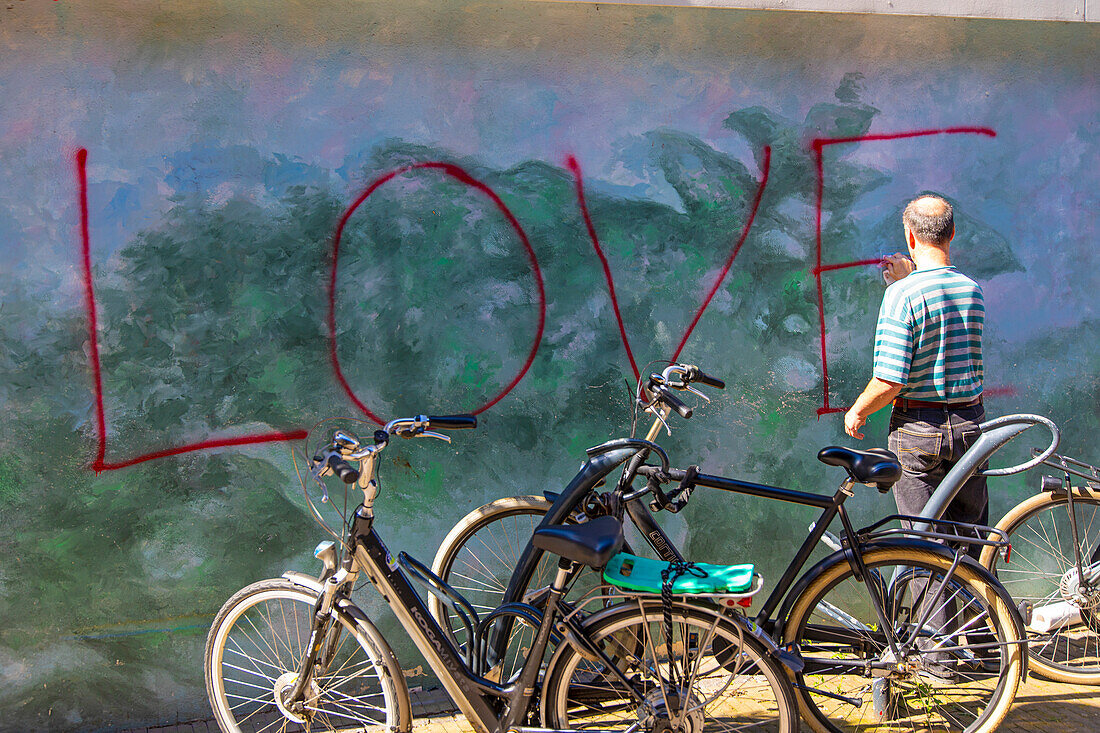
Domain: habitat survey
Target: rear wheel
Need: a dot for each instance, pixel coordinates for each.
(478, 557)
(1043, 573)
(718, 677)
(961, 673)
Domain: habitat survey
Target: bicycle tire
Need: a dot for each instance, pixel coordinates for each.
(255, 646)
(834, 625)
(736, 683)
(477, 558)
(1042, 557)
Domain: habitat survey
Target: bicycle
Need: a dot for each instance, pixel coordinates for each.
(1054, 578)
(1055, 571)
(296, 653)
(852, 614)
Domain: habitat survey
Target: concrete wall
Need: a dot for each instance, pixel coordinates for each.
(736, 166)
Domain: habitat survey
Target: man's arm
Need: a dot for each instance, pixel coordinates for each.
(877, 395)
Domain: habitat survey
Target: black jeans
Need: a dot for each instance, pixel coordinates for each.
(929, 441)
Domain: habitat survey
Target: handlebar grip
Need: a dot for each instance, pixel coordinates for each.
(665, 395)
(452, 422)
(695, 374)
(343, 469)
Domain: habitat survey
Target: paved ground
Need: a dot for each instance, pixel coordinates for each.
(1049, 707)
(1040, 706)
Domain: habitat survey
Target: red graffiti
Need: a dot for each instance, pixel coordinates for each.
(459, 174)
(573, 166)
(818, 146)
(100, 463)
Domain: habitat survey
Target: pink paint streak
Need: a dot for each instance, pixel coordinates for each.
(818, 145)
(100, 464)
(461, 175)
(574, 167)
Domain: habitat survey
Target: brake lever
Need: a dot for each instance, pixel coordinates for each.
(694, 391)
(318, 465)
(432, 434)
(656, 411)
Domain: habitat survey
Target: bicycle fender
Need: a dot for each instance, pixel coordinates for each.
(790, 660)
(348, 607)
(306, 581)
(367, 627)
(913, 543)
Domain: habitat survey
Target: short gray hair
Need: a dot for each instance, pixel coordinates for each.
(931, 220)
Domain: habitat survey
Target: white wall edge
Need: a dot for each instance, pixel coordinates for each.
(1056, 10)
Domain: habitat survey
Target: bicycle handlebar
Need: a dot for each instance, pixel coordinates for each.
(695, 374)
(664, 394)
(342, 468)
(452, 422)
(344, 446)
(659, 387)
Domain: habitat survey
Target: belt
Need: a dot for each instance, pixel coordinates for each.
(907, 404)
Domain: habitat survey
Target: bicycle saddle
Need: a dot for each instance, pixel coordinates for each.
(592, 543)
(876, 466)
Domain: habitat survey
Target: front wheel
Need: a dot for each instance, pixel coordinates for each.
(253, 653)
(717, 678)
(1043, 572)
(958, 660)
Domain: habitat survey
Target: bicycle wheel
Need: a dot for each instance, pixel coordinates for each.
(253, 652)
(1042, 571)
(480, 553)
(960, 675)
(718, 678)
(478, 557)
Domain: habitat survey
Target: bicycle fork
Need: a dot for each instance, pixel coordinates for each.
(293, 699)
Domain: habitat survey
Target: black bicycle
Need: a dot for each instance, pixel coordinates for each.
(297, 654)
(897, 629)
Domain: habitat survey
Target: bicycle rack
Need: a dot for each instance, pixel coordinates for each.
(995, 434)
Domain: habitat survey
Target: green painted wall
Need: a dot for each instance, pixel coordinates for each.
(224, 143)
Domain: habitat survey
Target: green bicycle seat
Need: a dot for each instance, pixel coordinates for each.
(642, 574)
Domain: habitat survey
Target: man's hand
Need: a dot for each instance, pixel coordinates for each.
(896, 267)
(877, 395)
(853, 421)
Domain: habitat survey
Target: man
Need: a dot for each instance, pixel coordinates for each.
(928, 363)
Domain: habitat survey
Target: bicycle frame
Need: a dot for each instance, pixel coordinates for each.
(490, 707)
(790, 584)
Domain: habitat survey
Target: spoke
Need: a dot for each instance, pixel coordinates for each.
(249, 671)
(262, 637)
(241, 653)
(243, 699)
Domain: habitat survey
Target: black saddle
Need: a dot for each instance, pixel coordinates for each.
(592, 543)
(876, 466)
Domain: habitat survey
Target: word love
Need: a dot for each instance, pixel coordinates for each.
(818, 146)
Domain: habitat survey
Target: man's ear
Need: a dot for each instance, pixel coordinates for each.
(910, 240)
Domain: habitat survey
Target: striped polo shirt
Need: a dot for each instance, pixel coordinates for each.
(929, 336)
